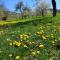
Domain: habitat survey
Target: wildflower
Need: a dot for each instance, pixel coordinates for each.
(39, 33)
(8, 39)
(32, 42)
(43, 37)
(34, 53)
(17, 43)
(25, 45)
(10, 55)
(10, 43)
(53, 42)
(21, 36)
(17, 57)
(24, 36)
(38, 52)
(41, 46)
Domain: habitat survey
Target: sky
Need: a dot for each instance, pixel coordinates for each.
(10, 4)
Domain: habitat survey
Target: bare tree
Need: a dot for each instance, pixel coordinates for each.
(53, 4)
(20, 7)
(26, 11)
(42, 8)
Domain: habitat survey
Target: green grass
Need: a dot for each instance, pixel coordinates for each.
(35, 32)
(30, 19)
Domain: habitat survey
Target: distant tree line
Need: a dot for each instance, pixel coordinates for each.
(41, 8)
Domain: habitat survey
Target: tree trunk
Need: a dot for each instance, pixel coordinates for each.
(54, 7)
(42, 12)
(21, 12)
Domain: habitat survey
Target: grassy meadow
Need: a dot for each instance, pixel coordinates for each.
(30, 39)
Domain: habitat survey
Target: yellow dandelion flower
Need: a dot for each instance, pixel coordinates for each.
(39, 33)
(34, 53)
(8, 39)
(17, 57)
(32, 42)
(41, 46)
(25, 45)
(24, 36)
(18, 43)
(21, 36)
(44, 37)
(10, 43)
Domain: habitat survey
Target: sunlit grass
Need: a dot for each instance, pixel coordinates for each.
(35, 40)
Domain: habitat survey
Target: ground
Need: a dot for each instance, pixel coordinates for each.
(31, 39)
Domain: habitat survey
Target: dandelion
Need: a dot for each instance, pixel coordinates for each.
(34, 53)
(32, 42)
(39, 33)
(10, 43)
(17, 57)
(24, 36)
(25, 45)
(21, 36)
(44, 37)
(41, 46)
(17, 43)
